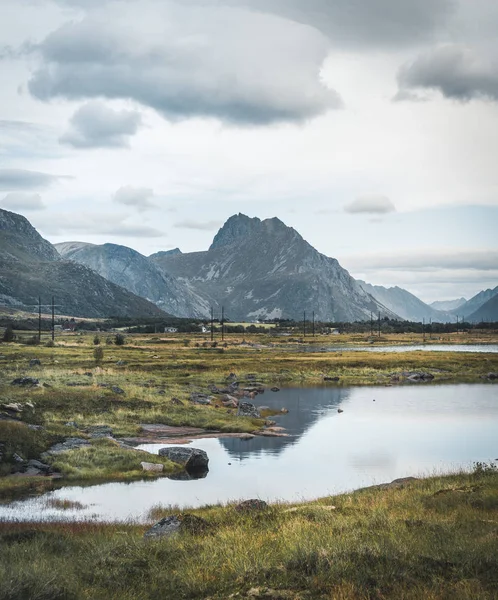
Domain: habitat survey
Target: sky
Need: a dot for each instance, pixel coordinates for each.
(370, 126)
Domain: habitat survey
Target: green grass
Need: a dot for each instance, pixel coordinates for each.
(434, 539)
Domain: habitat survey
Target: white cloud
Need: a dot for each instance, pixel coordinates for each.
(140, 198)
(96, 125)
(198, 225)
(371, 205)
(22, 201)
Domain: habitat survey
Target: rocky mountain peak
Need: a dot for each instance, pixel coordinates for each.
(241, 226)
(24, 239)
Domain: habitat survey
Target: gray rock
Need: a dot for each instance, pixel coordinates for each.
(25, 381)
(69, 444)
(200, 399)
(174, 525)
(117, 390)
(190, 458)
(35, 362)
(327, 378)
(152, 467)
(246, 409)
(251, 505)
(18, 459)
(275, 389)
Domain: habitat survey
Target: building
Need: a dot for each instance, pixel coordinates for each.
(170, 330)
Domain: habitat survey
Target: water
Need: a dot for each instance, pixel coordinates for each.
(481, 348)
(408, 431)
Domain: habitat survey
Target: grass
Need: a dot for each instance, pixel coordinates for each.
(432, 539)
(75, 388)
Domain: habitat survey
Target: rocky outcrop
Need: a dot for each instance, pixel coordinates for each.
(192, 459)
(176, 524)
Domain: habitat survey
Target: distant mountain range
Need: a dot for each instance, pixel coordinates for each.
(31, 267)
(255, 269)
(447, 305)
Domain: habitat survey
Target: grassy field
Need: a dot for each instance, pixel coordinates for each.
(134, 384)
(432, 539)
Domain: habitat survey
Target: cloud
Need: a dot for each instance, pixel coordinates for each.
(455, 70)
(137, 197)
(21, 179)
(232, 64)
(482, 260)
(22, 201)
(380, 205)
(85, 223)
(198, 225)
(95, 125)
(379, 23)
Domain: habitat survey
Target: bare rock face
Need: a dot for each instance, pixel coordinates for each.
(192, 459)
(264, 270)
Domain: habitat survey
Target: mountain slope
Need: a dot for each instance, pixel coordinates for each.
(31, 267)
(264, 269)
(405, 304)
(488, 312)
(136, 273)
(475, 303)
(447, 305)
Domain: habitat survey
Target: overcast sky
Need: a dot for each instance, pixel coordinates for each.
(370, 126)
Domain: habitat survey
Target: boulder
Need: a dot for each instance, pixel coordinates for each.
(35, 362)
(246, 409)
(152, 467)
(176, 524)
(328, 378)
(25, 381)
(251, 505)
(202, 399)
(492, 376)
(14, 407)
(69, 444)
(275, 389)
(191, 459)
(117, 390)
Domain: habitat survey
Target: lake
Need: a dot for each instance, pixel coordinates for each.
(483, 348)
(384, 433)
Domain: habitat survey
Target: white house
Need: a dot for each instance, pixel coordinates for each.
(170, 330)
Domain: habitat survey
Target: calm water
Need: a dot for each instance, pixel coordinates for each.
(485, 348)
(409, 430)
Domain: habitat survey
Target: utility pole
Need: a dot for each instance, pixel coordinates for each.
(212, 324)
(222, 323)
(313, 323)
(53, 318)
(379, 323)
(304, 324)
(371, 324)
(423, 328)
(39, 319)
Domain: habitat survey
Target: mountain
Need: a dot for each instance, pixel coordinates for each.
(264, 270)
(405, 304)
(447, 305)
(488, 312)
(31, 267)
(475, 303)
(131, 270)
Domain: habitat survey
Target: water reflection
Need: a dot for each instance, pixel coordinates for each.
(408, 430)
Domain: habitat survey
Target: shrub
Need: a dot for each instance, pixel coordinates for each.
(119, 339)
(50, 344)
(8, 334)
(98, 354)
(109, 340)
(96, 340)
(32, 341)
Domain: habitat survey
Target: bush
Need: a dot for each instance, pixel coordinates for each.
(98, 354)
(96, 340)
(32, 341)
(8, 334)
(119, 339)
(50, 344)
(109, 340)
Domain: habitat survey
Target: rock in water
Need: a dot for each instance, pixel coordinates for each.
(152, 467)
(246, 409)
(192, 459)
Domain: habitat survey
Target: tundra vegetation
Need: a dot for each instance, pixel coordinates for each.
(435, 538)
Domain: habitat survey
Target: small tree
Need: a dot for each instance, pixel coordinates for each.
(119, 339)
(8, 334)
(96, 340)
(98, 354)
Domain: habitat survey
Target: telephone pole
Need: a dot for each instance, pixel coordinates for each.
(379, 324)
(304, 324)
(39, 319)
(371, 324)
(212, 323)
(313, 323)
(53, 318)
(222, 323)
